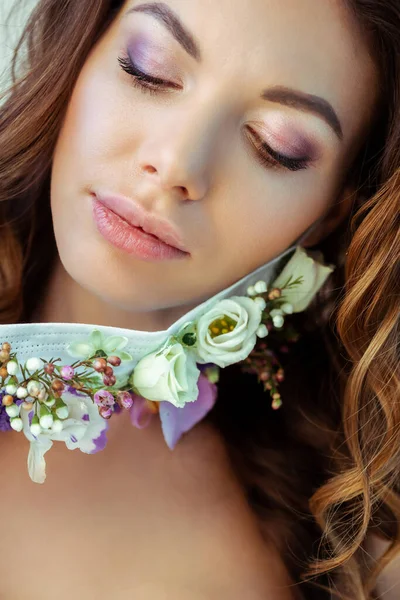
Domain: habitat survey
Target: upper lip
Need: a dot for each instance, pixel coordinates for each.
(132, 212)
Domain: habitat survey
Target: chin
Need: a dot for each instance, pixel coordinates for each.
(122, 284)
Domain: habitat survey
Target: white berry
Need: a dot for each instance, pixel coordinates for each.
(22, 392)
(278, 321)
(260, 287)
(287, 308)
(17, 424)
(262, 331)
(33, 364)
(12, 367)
(35, 429)
(260, 302)
(46, 421)
(12, 410)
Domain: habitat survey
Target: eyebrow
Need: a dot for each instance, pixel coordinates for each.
(307, 102)
(279, 94)
(172, 22)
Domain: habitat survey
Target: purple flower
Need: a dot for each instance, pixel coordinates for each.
(125, 399)
(104, 398)
(177, 421)
(67, 372)
(141, 413)
(100, 442)
(71, 390)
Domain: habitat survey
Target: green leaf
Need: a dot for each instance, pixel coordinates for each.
(96, 338)
(80, 349)
(115, 342)
(125, 355)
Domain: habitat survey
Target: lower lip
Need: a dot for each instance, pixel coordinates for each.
(131, 239)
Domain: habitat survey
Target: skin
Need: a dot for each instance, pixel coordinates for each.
(170, 153)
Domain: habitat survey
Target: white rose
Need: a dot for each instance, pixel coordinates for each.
(313, 272)
(168, 375)
(227, 333)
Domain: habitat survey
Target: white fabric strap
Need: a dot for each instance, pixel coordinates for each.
(49, 340)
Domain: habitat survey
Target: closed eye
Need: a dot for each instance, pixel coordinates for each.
(144, 80)
(266, 155)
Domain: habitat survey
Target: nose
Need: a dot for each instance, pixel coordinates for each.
(179, 154)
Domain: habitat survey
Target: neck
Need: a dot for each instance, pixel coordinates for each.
(65, 301)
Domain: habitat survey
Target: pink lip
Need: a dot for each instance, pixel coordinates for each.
(119, 221)
(134, 214)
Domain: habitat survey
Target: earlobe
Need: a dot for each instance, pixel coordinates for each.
(340, 209)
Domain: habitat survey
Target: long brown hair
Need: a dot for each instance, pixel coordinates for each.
(324, 470)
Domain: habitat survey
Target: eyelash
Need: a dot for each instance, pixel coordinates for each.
(154, 85)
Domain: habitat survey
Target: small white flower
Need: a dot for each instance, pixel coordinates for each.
(22, 393)
(12, 410)
(112, 345)
(35, 427)
(12, 367)
(309, 266)
(262, 331)
(33, 364)
(251, 290)
(278, 321)
(277, 317)
(16, 424)
(287, 308)
(46, 421)
(226, 334)
(62, 410)
(260, 287)
(34, 388)
(168, 375)
(260, 302)
(11, 389)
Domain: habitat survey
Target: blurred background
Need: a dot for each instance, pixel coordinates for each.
(10, 32)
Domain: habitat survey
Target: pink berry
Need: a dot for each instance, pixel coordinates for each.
(104, 398)
(67, 372)
(109, 380)
(57, 385)
(49, 368)
(125, 400)
(106, 412)
(115, 361)
(108, 371)
(99, 364)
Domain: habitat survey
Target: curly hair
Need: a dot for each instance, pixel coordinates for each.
(323, 473)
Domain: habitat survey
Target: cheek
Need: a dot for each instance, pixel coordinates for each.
(265, 218)
(91, 125)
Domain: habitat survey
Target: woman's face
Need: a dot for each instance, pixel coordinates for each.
(243, 147)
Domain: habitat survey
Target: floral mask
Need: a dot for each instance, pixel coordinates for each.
(64, 381)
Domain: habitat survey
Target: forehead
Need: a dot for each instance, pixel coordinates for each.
(314, 46)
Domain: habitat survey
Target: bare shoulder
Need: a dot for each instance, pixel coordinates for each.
(239, 563)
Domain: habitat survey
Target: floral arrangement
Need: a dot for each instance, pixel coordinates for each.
(72, 403)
